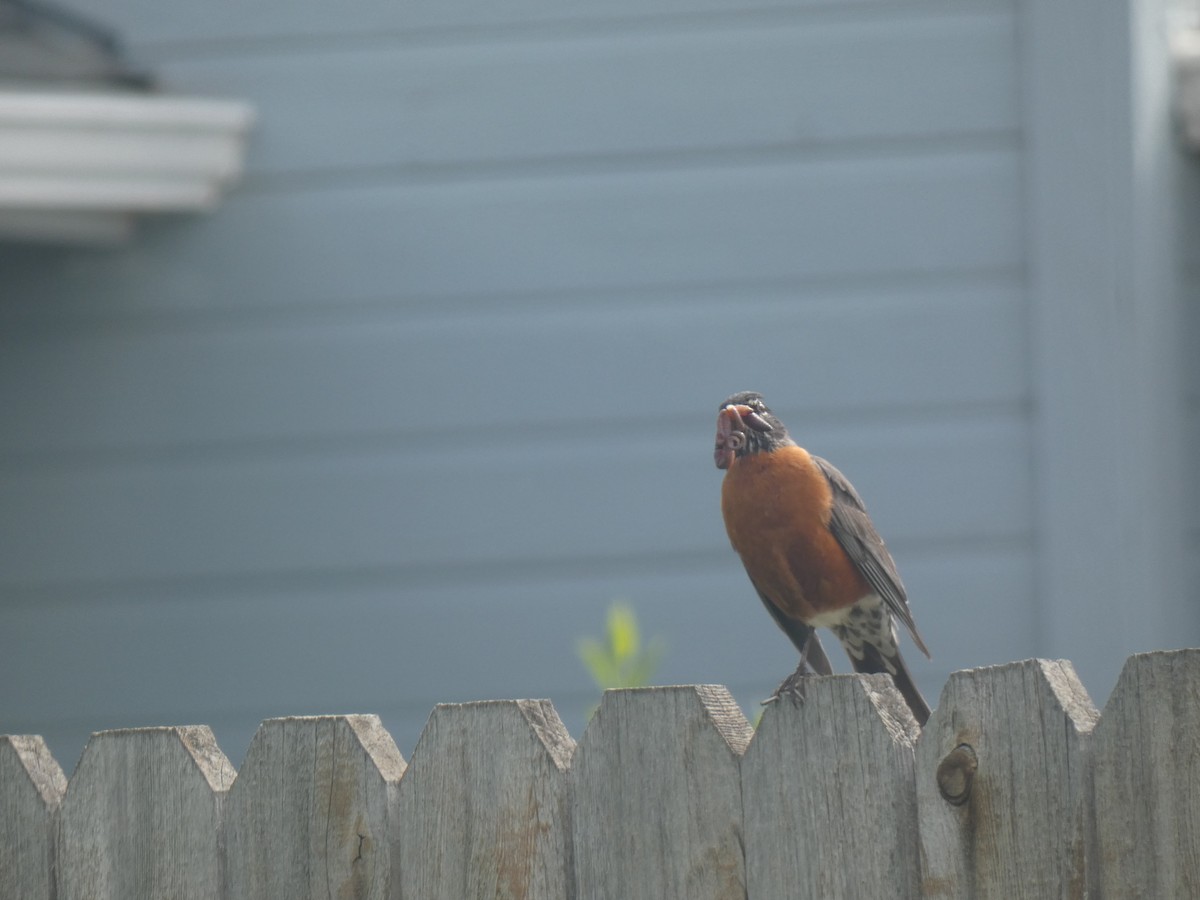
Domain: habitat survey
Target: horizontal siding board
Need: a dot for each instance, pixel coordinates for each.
(641, 93)
(466, 501)
(399, 372)
(396, 650)
(220, 22)
(838, 218)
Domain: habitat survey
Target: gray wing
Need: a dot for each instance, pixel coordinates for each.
(852, 528)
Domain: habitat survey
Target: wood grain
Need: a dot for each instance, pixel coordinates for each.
(141, 816)
(1147, 789)
(828, 787)
(484, 808)
(31, 789)
(311, 812)
(1023, 829)
(657, 802)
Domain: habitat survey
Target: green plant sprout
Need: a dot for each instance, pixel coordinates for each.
(618, 660)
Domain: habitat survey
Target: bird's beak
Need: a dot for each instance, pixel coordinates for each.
(732, 423)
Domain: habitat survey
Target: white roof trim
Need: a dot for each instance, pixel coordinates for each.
(79, 166)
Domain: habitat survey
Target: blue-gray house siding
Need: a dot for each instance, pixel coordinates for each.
(438, 381)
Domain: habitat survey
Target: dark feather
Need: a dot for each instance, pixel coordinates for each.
(801, 635)
(852, 528)
(873, 663)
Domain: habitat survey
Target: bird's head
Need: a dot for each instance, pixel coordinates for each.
(745, 425)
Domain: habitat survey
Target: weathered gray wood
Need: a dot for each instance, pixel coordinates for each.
(1147, 789)
(1014, 795)
(484, 806)
(31, 788)
(829, 794)
(657, 796)
(1017, 824)
(310, 813)
(141, 816)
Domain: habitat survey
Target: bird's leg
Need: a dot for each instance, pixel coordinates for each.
(794, 685)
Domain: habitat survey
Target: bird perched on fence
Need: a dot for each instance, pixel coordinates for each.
(810, 549)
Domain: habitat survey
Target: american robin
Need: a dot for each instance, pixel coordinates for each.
(810, 549)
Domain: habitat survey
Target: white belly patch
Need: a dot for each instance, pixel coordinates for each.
(868, 621)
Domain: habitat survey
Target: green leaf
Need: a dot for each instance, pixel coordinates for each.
(622, 632)
(598, 661)
(618, 660)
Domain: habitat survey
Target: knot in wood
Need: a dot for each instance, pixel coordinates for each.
(955, 774)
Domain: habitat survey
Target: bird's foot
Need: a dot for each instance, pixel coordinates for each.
(794, 686)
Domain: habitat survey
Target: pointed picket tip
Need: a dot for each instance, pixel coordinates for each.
(197, 741)
(1054, 679)
(973, 698)
(539, 716)
(657, 796)
(366, 729)
(824, 777)
(141, 816)
(484, 807)
(1160, 675)
(1145, 780)
(310, 813)
(832, 700)
(377, 742)
(1002, 790)
(712, 702)
(31, 788)
(28, 754)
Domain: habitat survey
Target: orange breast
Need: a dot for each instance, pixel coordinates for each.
(777, 509)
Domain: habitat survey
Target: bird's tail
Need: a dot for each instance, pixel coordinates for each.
(873, 662)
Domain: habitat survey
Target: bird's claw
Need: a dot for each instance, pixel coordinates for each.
(794, 686)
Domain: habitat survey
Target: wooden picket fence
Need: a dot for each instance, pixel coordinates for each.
(1017, 788)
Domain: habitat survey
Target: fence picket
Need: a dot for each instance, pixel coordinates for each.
(658, 805)
(1007, 745)
(828, 789)
(31, 788)
(141, 816)
(484, 806)
(1147, 779)
(309, 815)
(1017, 788)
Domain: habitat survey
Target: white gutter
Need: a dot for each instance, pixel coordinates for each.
(81, 166)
